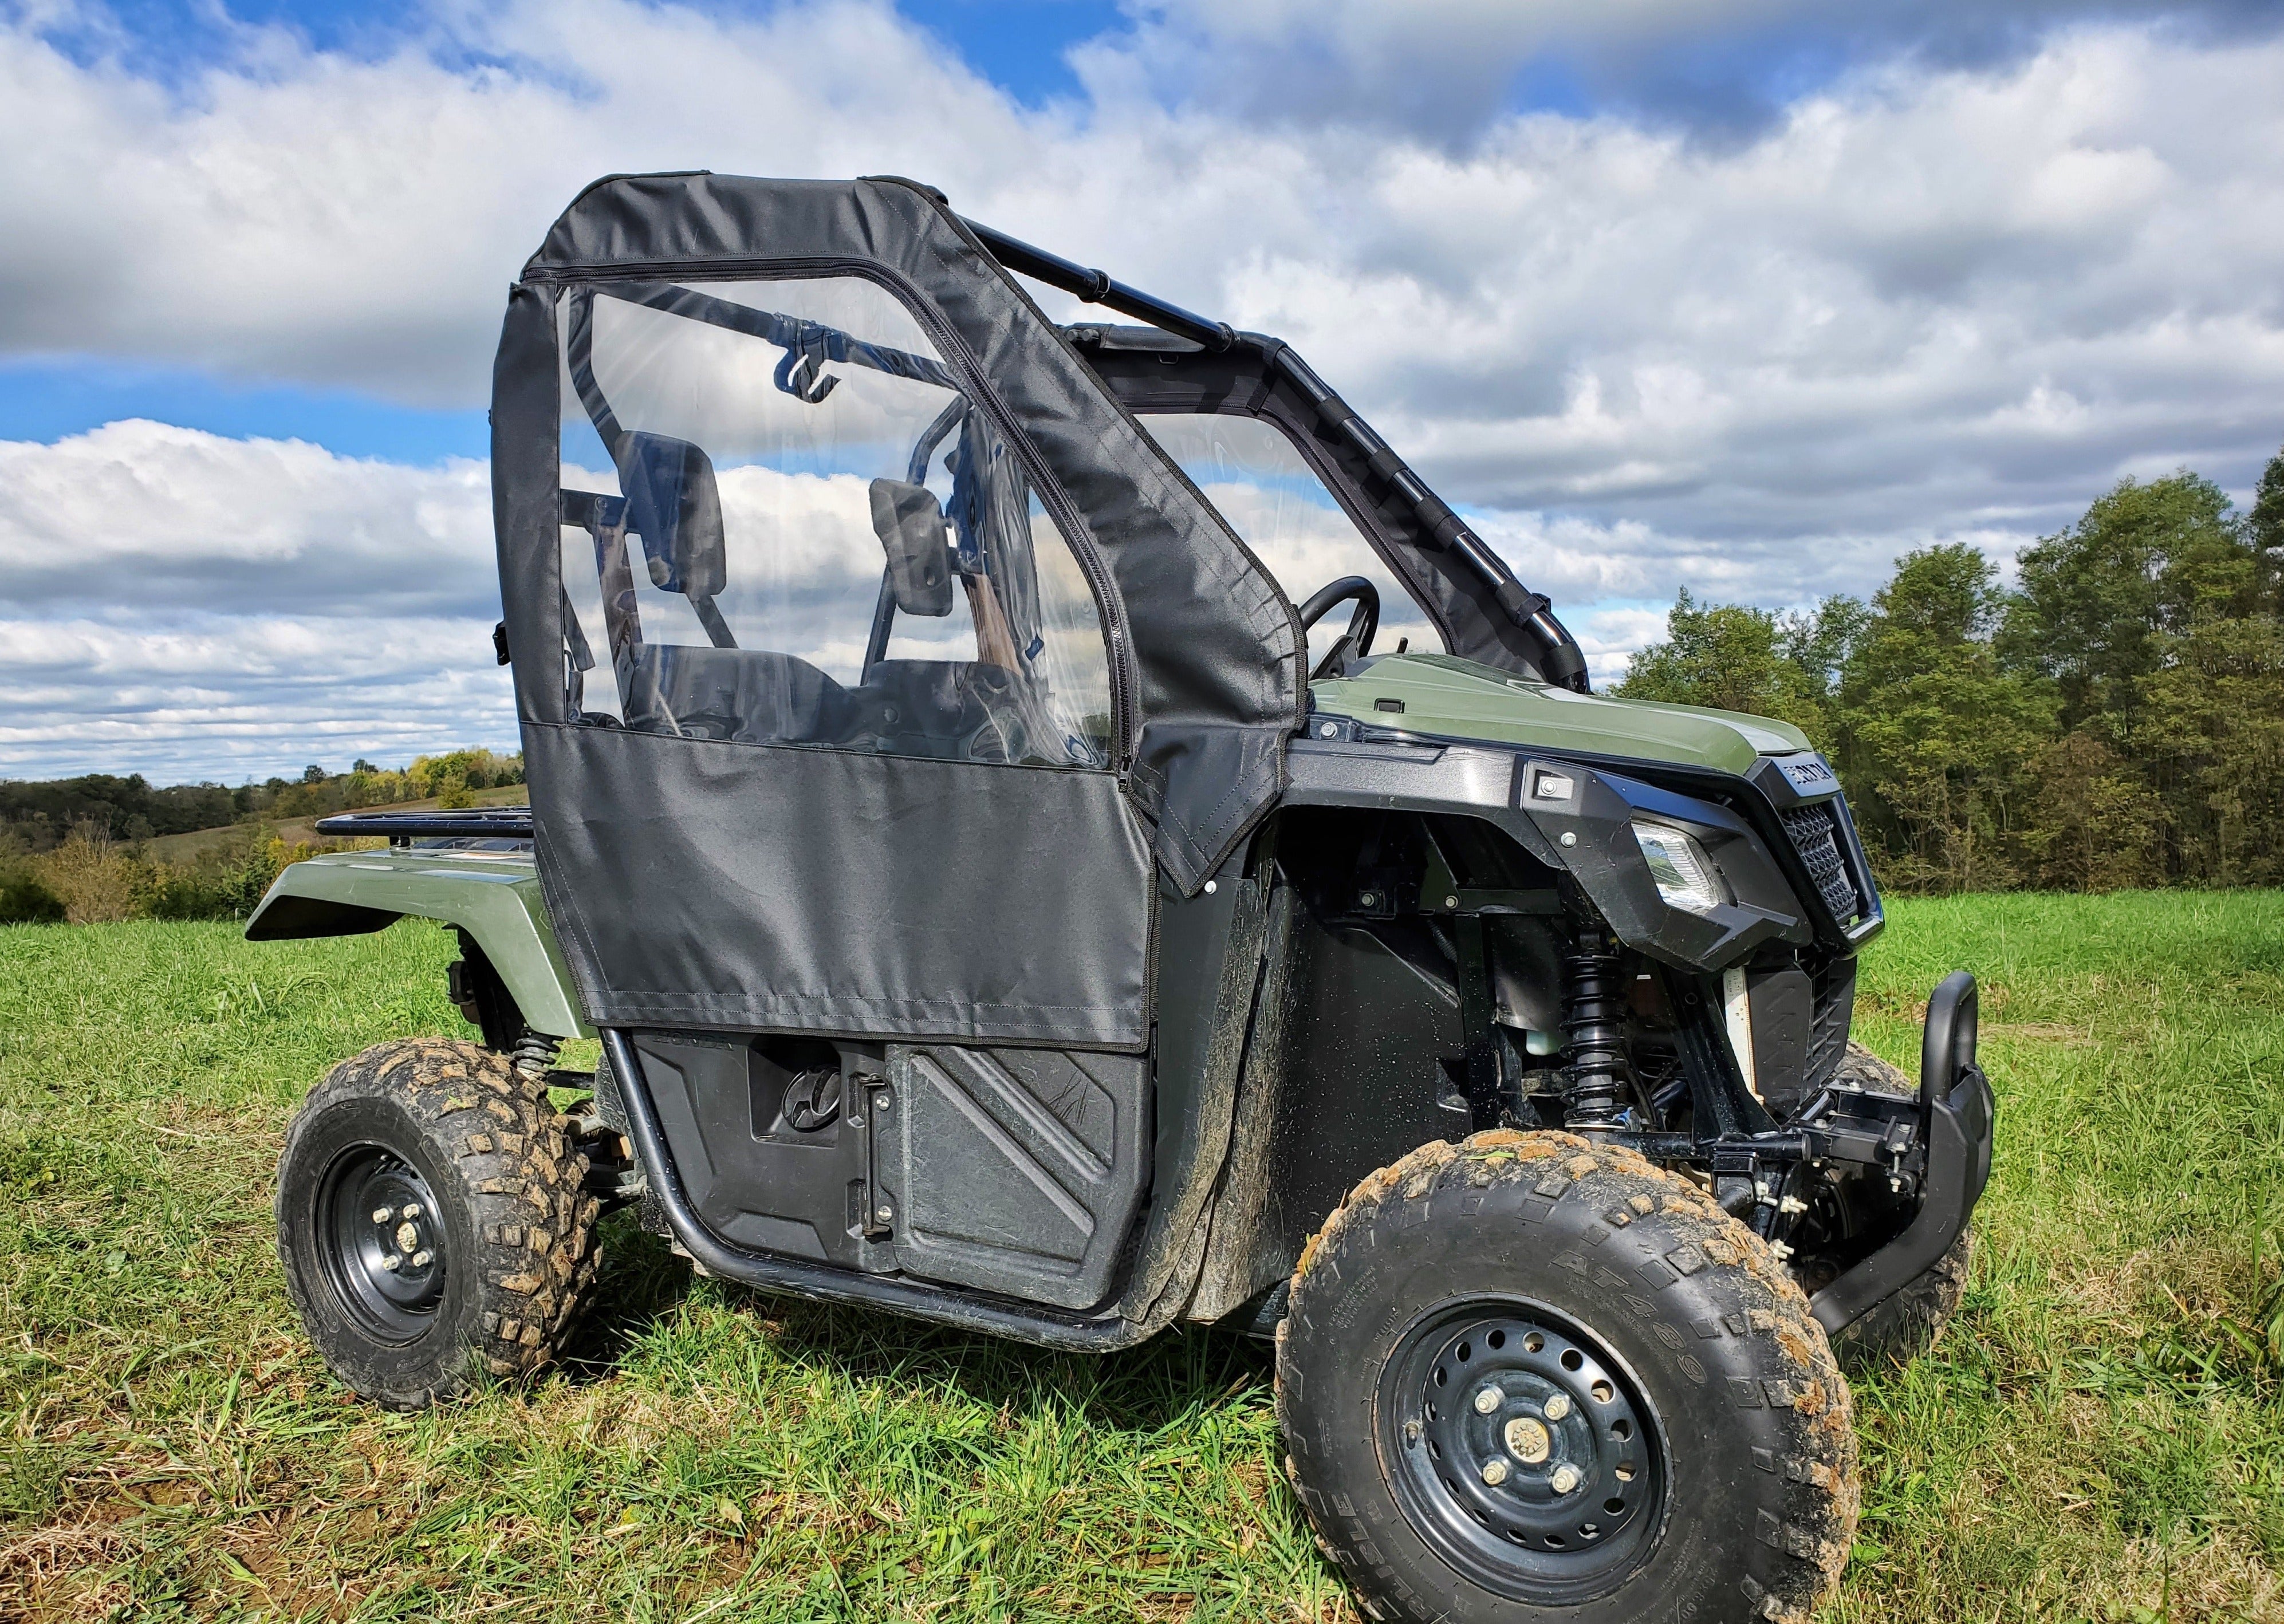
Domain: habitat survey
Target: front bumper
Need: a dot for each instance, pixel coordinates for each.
(1957, 1111)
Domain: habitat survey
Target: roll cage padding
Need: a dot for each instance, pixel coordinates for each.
(1204, 649)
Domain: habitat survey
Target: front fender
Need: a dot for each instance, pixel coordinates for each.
(495, 899)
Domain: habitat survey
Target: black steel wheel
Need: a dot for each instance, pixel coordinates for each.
(382, 1242)
(1522, 1448)
(1532, 1378)
(432, 1221)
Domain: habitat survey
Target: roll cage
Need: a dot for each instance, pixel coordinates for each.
(1184, 362)
(1180, 364)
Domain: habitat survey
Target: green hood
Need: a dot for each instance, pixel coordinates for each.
(1458, 698)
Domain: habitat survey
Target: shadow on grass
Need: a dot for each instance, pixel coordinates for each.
(1173, 1376)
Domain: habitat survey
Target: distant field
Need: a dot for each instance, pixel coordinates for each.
(2099, 1438)
(184, 849)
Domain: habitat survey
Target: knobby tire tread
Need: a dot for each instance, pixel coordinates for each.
(1801, 1554)
(523, 1177)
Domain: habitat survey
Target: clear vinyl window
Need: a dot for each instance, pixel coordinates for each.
(1250, 472)
(783, 522)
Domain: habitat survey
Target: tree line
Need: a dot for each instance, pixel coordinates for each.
(80, 849)
(40, 815)
(2114, 718)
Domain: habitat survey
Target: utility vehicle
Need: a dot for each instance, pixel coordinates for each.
(999, 904)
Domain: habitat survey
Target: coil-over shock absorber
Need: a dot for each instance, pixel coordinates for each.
(1593, 992)
(533, 1053)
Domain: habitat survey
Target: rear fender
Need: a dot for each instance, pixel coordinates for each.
(496, 902)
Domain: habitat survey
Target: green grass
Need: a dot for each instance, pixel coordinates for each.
(2099, 1437)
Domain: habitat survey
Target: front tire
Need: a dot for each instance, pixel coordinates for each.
(1531, 1377)
(433, 1222)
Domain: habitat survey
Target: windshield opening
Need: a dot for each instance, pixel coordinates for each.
(1270, 496)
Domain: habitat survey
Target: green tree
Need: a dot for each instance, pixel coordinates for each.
(2097, 600)
(1937, 739)
(2095, 824)
(2266, 519)
(1821, 641)
(1728, 657)
(2212, 735)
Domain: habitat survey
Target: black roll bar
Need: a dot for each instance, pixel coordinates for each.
(1099, 287)
(1560, 655)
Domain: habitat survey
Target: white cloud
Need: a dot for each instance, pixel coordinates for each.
(1919, 305)
(140, 513)
(203, 696)
(189, 606)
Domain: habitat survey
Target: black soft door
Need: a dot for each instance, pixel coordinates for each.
(835, 754)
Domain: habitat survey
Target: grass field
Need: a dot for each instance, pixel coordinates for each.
(2100, 1436)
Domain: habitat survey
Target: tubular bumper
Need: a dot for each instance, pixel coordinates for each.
(1957, 1111)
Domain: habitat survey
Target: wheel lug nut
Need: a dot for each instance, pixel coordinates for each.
(381, 1214)
(1489, 1399)
(1494, 1471)
(392, 1262)
(1557, 1407)
(412, 1210)
(1565, 1479)
(420, 1260)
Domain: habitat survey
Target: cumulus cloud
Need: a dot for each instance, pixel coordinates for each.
(1949, 296)
(202, 696)
(191, 605)
(144, 515)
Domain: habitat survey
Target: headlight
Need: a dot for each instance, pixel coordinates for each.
(1685, 876)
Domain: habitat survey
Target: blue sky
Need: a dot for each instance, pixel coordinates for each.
(1748, 295)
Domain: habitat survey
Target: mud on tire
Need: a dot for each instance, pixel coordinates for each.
(1742, 1480)
(441, 1157)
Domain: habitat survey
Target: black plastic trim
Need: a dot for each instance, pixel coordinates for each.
(484, 823)
(1957, 1109)
(822, 1282)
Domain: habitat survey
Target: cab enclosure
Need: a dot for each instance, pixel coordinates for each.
(990, 909)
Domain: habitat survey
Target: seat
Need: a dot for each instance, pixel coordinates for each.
(949, 709)
(753, 696)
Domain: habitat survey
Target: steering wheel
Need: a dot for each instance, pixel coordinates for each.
(1354, 644)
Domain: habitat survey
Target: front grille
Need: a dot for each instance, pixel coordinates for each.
(1816, 839)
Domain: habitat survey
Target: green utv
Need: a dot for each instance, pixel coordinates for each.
(999, 904)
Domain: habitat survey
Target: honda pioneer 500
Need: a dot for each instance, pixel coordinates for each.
(999, 904)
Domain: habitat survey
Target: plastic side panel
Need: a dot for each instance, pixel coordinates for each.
(1346, 1074)
(760, 1186)
(500, 906)
(700, 883)
(1017, 1170)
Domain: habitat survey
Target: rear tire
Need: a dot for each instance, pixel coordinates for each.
(1906, 1324)
(1700, 1464)
(432, 1221)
